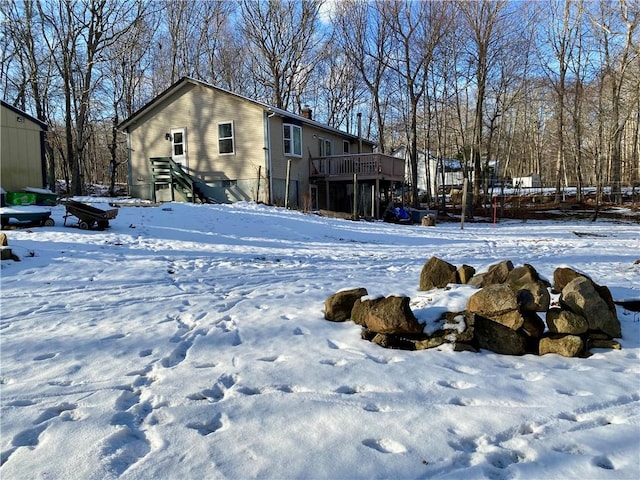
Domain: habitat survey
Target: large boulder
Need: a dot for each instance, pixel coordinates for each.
(565, 345)
(580, 296)
(497, 273)
(532, 291)
(466, 273)
(390, 314)
(497, 338)
(565, 321)
(498, 303)
(337, 307)
(563, 275)
(437, 273)
(533, 325)
(533, 297)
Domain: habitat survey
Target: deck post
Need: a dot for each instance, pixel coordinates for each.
(355, 196)
(286, 187)
(377, 199)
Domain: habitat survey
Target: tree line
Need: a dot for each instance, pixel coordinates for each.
(549, 87)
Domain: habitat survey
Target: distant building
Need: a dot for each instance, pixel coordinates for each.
(530, 181)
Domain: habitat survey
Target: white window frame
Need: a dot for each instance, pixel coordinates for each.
(323, 143)
(181, 159)
(232, 138)
(289, 134)
(346, 147)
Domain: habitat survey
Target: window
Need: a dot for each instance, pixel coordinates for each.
(325, 147)
(346, 146)
(292, 135)
(225, 138)
(179, 146)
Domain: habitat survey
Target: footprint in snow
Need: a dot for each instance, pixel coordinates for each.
(384, 445)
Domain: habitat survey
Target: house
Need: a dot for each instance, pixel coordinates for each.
(531, 181)
(198, 142)
(23, 163)
(431, 178)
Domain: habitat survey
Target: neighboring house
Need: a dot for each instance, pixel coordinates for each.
(453, 174)
(530, 181)
(22, 153)
(200, 142)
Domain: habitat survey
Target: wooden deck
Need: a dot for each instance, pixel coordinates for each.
(367, 166)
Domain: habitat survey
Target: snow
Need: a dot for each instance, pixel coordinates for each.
(188, 341)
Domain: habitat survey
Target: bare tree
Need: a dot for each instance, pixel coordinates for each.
(283, 38)
(616, 25)
(483, 19)
(365, 37)
(34, 79)
(418, 29)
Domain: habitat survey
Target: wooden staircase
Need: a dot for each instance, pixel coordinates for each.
(166, 171)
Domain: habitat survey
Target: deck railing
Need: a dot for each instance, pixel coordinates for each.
(365, 164)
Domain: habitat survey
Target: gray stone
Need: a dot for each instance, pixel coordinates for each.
(565, 345)
(437, 273)
(390, 314)
(581, 297)
(337, 307)
(499, 303)
(565, 321)
(497, 338)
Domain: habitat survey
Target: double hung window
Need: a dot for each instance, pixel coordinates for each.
(225, 138)
(292, 135)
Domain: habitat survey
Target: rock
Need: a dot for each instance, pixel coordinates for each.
(533, 297)
(391, 314)
(497, 338)
(477, 280)
(563, 275)
(7, 254)
(498, 303)
(429, 220)
(523, 275)
(458, 327)
(3, 240)
(581, 297)
(386, 340)
(437, 273)
(337, 307)
(465, 273)
(565, 345)
(497, 273)
(612, 344)
(565, 321)
(532, 291)
(533, 325)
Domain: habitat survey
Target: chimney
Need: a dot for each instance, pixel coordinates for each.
(306, 112)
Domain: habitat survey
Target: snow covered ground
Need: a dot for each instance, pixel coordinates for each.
(188, 341)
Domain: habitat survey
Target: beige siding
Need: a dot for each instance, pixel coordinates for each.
(199, 110)
(20, 154)
(310, 149)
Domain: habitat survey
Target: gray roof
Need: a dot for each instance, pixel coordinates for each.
(188, 80)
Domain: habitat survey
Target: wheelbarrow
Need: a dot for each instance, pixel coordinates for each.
(88, 215)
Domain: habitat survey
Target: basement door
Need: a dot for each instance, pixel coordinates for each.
(179, 146)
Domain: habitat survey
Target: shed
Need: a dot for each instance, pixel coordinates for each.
(22, 153)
